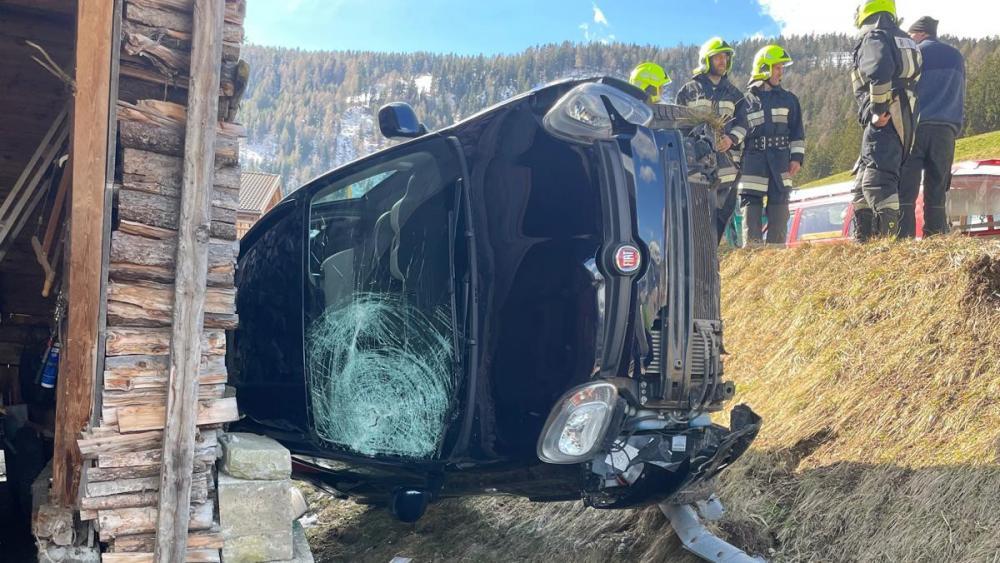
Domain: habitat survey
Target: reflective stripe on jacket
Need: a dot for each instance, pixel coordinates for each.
(770, 117)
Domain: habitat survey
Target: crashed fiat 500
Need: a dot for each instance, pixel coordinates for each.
(524, 303)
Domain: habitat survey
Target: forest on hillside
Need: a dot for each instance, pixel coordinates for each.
(307, 112)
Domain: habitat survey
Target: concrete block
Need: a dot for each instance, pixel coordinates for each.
(249, 456)
(54, 523)
(248, 508)
(49, 553)
(257, 548)
(302, 553)
(299, 504)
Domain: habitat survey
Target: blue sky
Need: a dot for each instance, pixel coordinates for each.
(497, 26)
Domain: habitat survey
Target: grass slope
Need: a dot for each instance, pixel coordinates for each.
(877, 371)
(977, 147)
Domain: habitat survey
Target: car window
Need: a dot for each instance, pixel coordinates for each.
(822, 221)
(379, 336)
(974, 202)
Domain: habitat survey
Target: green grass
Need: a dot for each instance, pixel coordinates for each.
(986, 145)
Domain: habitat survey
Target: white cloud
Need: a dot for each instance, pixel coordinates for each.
(599, 16)
(594, 32)
(964, 18)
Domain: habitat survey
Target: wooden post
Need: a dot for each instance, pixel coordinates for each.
(194, 229)
(94, 23)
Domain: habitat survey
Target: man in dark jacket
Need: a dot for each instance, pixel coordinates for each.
(711, 91)
(774, 147)
(941, 91)
(886, 68)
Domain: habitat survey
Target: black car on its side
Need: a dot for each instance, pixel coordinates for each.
(524, 303)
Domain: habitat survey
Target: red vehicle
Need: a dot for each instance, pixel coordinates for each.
(824, 215)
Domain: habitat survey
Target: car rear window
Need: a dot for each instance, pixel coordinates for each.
(822, 221)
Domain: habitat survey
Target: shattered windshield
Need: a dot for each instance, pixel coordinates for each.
(380, 331)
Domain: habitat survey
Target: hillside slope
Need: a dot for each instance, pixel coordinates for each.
(877, 371)
(976, 147)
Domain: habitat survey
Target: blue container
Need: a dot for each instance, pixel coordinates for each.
(51, 369)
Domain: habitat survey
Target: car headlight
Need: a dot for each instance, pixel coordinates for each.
(578, 424)
(581, 116)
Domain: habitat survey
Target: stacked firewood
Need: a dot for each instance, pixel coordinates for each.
(119, 488)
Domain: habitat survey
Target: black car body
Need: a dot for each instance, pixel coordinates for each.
(525, 303)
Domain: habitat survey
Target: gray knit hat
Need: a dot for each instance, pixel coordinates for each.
(926, 25)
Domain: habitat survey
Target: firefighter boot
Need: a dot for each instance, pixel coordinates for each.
(753, 211)
(864, 224)
(888, 223)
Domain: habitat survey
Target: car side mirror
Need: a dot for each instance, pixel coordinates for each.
(398, 120)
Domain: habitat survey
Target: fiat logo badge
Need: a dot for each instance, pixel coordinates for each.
(628, 259)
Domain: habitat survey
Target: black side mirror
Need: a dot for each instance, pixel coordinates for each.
(398, 120)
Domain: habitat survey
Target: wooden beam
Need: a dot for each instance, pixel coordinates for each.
(89, 141)
(194, 226)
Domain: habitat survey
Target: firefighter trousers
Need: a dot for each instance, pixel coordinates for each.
(753, 210)
(726, 198)
(933, 154)
(876, 189)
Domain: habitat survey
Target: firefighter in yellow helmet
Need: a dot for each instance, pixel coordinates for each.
(651, 79)
(884, 75)
(710, 90)
(774, 147)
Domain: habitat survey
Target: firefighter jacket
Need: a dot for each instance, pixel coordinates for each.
(886, 67)
(775, 136)
(721, 99)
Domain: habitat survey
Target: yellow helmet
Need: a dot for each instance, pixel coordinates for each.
(709, 49)
(765, 59)
(871, 7)
(650, 78)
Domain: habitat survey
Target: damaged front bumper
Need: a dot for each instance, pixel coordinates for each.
(637, 457)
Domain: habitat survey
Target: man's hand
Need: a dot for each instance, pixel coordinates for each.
(794, 167)
(882, 120)
(725, 143)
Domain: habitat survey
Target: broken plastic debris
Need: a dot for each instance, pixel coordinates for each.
(381, 377)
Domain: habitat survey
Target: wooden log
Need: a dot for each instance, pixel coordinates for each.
(156, 342)
(209, 539)
(126, 373)
(192, 556)
(158, 127)
(161, 211)
(204, 454)
(146, 231)
(122, 486)
(90, 447)
(90, 149)
(171, 15)
(123, 521)
(145, 418)
(87, 515)
(101, 474)
(143, 251)
(135, 257)
(199, 481)
(150, 304)
(155, 396)
(167, 61)
(127, 500)
(163, 172)
(115, 400)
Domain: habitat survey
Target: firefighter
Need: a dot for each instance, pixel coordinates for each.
(773, 149)
(651, 79)
(710, 90)
(885, 72)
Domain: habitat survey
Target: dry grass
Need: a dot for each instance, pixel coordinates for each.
(877, 371)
